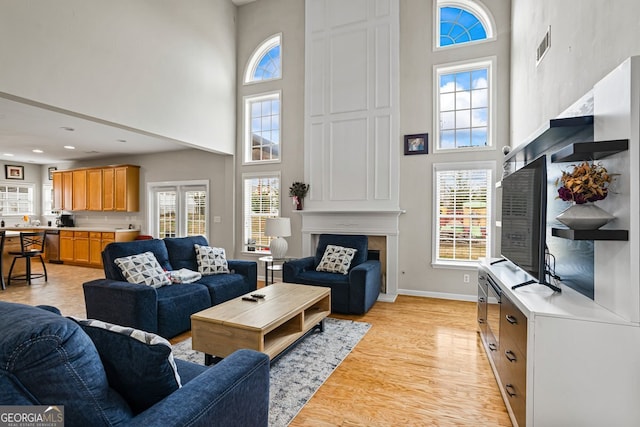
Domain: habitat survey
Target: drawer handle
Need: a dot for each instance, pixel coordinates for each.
(510, 389)
(480, 320)
(492, 347)
(511, 356)
(511, 319)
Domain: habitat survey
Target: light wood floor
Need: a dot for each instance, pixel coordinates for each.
(420, 364)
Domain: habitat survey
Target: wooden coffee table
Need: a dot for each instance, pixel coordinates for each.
(270, 325)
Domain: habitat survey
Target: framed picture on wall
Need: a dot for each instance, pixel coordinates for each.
(416, 144)
(51, 169)
(14, 172)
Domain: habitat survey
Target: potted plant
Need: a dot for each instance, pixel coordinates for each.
(585, 184)
(297, 192)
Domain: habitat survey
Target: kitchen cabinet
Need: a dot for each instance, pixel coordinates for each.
(79, 190)
(109, 188)
(94, 189)
(85, 247)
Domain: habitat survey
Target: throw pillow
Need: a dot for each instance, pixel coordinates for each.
(336, 259)
(143, 269)
(139, 364)
(211, 260)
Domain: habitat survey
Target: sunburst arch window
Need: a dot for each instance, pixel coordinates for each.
(461, 22)
(265, 62)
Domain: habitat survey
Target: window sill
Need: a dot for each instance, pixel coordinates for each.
(456, 265)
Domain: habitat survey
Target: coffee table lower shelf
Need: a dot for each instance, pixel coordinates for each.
(271, 325)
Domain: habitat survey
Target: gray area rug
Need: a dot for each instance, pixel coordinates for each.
(297, 375)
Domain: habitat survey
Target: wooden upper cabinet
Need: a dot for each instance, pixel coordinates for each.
(127, 188)
(58, 191)
(94, 189)
(108, 189)
(67, 190)
(79, 190)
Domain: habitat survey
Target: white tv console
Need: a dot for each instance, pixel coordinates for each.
(566, 362)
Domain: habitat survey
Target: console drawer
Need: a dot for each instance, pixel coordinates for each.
(513, 324)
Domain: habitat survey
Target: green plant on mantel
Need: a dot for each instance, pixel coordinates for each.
(298, 189)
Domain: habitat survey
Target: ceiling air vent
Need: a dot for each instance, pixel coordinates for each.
(544, 46)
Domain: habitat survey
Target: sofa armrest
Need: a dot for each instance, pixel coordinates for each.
(292, 269)
(248, 269)
(364, 286)
(234, 392)
(122, 303)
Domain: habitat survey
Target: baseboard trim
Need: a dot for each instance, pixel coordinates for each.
(441, 295)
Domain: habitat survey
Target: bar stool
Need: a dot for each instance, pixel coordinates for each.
(2, 233)
(31, 245)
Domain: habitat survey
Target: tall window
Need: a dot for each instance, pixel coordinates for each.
(262, 128)
(47, 200)
(462, 21)
(178, 209)
(261, 199)
(17, 199)
(462, 212)
(265, 63)
(464, 105)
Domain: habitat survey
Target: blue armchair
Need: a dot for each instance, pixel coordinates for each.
(47, 359)
(353, 293)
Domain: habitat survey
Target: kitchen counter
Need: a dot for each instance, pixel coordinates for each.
(103, 229)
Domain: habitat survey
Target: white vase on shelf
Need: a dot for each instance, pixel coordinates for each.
(585, 216)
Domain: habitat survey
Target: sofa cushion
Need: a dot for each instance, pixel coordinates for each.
(223, 287)
(124, 249)
(139, 364)
(176, 304)
(182, 251)
(46, 359)
(336, 259)
(211, 260)
(143, 269)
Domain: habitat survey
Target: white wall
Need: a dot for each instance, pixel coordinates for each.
(589, 38)
(256, 22)
(161, 66)
(417, 58)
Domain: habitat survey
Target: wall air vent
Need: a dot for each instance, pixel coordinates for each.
(544, 46)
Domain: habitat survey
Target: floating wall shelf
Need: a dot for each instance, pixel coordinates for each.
(566, 233)
(581, 151)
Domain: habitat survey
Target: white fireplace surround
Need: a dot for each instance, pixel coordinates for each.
(370, 223)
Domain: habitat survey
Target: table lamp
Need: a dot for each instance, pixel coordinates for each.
(278, 228)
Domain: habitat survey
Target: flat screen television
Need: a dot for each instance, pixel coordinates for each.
(524, 219)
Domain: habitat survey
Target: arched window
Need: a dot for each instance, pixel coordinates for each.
(266, 61)
(462, 21)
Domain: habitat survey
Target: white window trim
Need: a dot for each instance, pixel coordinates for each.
(439, 167)
(252, 175)
(454, 67)
(30, 186)
(476, 8)
(257, 55)
(246, 100)
(151, 201)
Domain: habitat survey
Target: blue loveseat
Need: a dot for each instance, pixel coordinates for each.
(167, 310)
(47, 359)
(352, 293)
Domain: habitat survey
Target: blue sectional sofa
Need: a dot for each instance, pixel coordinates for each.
(47, 359)
(352, 293)
(167, 310)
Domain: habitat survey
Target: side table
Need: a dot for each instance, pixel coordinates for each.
(272, 264)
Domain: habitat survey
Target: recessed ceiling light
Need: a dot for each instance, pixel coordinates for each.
(38, 151)
(69, 147)
(8, 154)
(67, 128)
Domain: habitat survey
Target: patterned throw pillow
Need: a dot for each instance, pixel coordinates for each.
(336, 259)
(139, 365)
(143, 269)
(211, 260)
